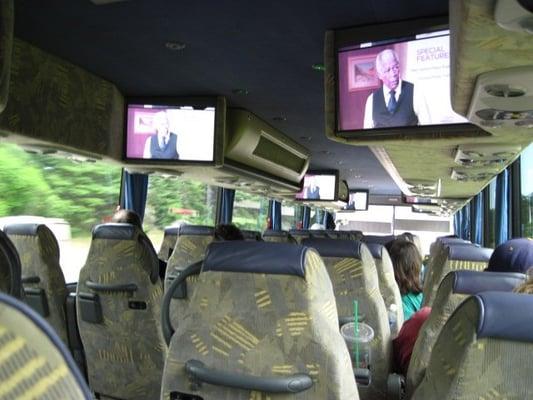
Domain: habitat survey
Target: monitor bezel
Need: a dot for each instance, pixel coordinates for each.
(334, 172)
(392, 32)
(218, 102)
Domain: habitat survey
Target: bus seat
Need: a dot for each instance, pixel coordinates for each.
(41, 275)
(387, 283)
(484, 351)
(300, 234)
(10, 282)
(169, 242)
(378, 239)
(191, 246)
(354, 277)
(265, 310)
(32, 351)
(278, 236)
(118, 306)
(454, 288)
(455, 257)
(251, 235)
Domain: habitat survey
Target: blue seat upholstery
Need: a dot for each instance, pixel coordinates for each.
(10, 275)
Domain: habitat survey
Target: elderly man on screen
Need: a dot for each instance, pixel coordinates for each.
(164, 144)
(396, 103)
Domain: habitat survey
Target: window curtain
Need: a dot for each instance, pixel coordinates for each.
(134, 192)
(461, 222)
(477, 219)
(226, 206)
(275, 215)
(306, 217)
(502, 207)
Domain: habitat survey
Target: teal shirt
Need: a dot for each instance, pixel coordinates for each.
(411, 303)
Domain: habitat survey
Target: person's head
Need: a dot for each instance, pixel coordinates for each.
(128, 217)
(526, 287)
(407, 262)
(228, 232)
(161, 124)
(515, 255)
(388, 68)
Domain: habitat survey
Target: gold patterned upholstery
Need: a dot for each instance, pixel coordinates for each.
(244, 318)
(169, 242)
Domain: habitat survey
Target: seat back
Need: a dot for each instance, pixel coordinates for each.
(169, 242)
(9, 268)
(299, 234)
(454, 288)
(454, 257)
(261, 309)
(42, 278)
(35, 363)
(278, 236)
(484, 351)
(387, 283)
(354, 277)
(119, 314)
(378, 239)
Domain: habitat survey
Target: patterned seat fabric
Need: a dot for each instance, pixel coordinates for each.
(483, 351)
(353, 273)
(454, 257)
(169, 242)
(455, 287)
(190, 248)
(42, 278)
(387, 283)
(263, 309)
(251, 235)
(278, 236)
(34, 362)
(9, 268)
(119, 313)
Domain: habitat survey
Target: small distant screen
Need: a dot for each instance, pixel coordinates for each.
(419, 200)
(318, 187)
(156, 132)
(358, 200)
(393, 84)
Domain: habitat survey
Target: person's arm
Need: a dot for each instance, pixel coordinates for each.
(368, 121)
(147, 153)
(421, 107)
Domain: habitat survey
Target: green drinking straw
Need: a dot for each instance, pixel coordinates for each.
(356, 332)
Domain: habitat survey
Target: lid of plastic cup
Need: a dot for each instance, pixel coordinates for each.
(366, 333)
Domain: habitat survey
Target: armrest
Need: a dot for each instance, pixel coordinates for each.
(287, 384)
(119, 287)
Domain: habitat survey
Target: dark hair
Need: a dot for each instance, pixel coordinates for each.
(515, 255)
(228, 232)
(407, 262)
(128, 217)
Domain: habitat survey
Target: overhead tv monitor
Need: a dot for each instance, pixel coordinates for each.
(391, 81)
(175, 131)
(418, 200)
(319, 186)
(358, 200)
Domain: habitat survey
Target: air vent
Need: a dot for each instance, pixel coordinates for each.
(423, 188)
(472, 175)
(504, 91)
(495, 156)
(514, 15)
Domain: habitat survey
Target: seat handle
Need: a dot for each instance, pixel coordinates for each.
(30, 279)
(296, 383)
(118, 287)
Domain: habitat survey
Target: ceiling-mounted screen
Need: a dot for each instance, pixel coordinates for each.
(181, 130)
(391, 78)
(358, 200)
(319, 185)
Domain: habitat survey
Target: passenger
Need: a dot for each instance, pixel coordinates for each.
(228, 232)
(515, 255)
(405, 341)
(164, 144)
(407, 262)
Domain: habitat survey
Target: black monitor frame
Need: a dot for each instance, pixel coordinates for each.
(217, 102)
(322, 172)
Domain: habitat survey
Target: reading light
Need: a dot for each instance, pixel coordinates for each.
(175, 46)
(279, 118)
(243, 92)
(318, 67)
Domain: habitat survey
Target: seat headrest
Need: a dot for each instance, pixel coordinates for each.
(473, 282)
(378, 239)
(9, 259)
(196, 230)
(376, 249)
(251, 235)
(255, 257)
(505, 315)
(115, 231)
(449, 240)
(28, 229)
(469, 253)
(335, 247)
(172, 230)
(272, 233)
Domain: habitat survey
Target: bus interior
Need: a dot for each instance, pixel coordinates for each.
(275, 117)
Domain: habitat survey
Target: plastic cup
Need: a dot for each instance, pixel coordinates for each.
(361, 345)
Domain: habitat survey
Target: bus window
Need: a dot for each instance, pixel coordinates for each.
(250, 211)
(69, 196)
(490, 241)
(291, 216)
(172, 200)
(526, 188)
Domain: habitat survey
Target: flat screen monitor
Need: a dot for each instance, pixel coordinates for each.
(174, 131)
(418, 200)
(390, 79)
(358, 200)
(320, 186)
